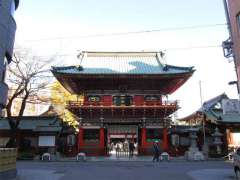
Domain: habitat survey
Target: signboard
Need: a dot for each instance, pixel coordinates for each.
(122, 136)
(231, 106)
(48, 141)
(124, 129)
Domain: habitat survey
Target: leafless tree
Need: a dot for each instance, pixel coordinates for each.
(27, 76)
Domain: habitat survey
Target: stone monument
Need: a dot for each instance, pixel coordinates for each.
(217, 141)
(193, 153)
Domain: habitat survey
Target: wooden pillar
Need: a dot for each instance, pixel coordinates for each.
(165, 139)
(144, 137)
(80, 138)
(101, 140)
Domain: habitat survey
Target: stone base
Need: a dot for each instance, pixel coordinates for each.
(7, 175)
(194, 156)
(164, 156)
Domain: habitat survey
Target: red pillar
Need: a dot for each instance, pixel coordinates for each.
(144, 137)
(80, 138)
(165, 139)
(101, 144)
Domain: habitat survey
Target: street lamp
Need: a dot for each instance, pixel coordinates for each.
(235, 82)
(232, 82)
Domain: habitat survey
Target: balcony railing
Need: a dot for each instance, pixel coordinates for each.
(78, 104)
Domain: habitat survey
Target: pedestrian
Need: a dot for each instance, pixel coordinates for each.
(117, 149)
(131, 149)
(125, 147)
(156, 152)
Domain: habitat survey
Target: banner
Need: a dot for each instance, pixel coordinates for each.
(231, 106)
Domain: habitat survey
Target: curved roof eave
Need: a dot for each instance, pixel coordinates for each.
(58, 70)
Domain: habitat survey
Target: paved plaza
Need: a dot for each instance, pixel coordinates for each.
(130, 170)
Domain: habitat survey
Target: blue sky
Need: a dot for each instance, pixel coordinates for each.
(47, 19)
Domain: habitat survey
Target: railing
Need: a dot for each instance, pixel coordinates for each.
(78, 104)
(8, 163)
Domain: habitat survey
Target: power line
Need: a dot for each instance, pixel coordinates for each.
(164, 49)
(193, 47)
(130, 32)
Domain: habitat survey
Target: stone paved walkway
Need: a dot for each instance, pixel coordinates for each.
(118, 170)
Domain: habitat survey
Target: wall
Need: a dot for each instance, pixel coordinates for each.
(7, 36)
(234, 9)
(8, 163)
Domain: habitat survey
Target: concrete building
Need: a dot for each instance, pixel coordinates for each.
(7, 36)
(232, 45)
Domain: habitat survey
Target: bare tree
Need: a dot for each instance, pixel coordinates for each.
(27, 77)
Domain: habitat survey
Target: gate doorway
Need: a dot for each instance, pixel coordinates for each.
(122, 139)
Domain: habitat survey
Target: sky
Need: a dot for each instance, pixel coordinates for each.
(190, 32)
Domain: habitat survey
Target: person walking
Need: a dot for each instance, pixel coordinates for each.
(131, 149)
(117, 149)
(156, 152)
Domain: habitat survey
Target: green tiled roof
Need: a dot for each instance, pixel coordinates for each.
(216, 115)
(219, 117)
(121, 63)
(35, 124)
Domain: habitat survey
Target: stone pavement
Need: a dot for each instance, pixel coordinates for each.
(114, 158)
(125, 158)
(118, 170)
(36, 174)
(212, 174)
(206, 174)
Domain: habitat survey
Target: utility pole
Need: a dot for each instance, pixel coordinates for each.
(202, 116)
(200, 90)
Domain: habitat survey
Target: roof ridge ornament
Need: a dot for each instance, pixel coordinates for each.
(80, 56)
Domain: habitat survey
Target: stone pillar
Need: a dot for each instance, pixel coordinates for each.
(165, 139)
(80, 138)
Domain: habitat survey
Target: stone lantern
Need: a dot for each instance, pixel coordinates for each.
(217, 141)
(193, 153)
(193, 137)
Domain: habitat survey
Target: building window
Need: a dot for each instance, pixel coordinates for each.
(91, 135)
(3, 74)
(94, 98)
(238, 20)
(8, 57)
(154, 135)
(4, 70)
(46, 141)
(71, 140)
(175, 139)
(122, 100)
(152, 98)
